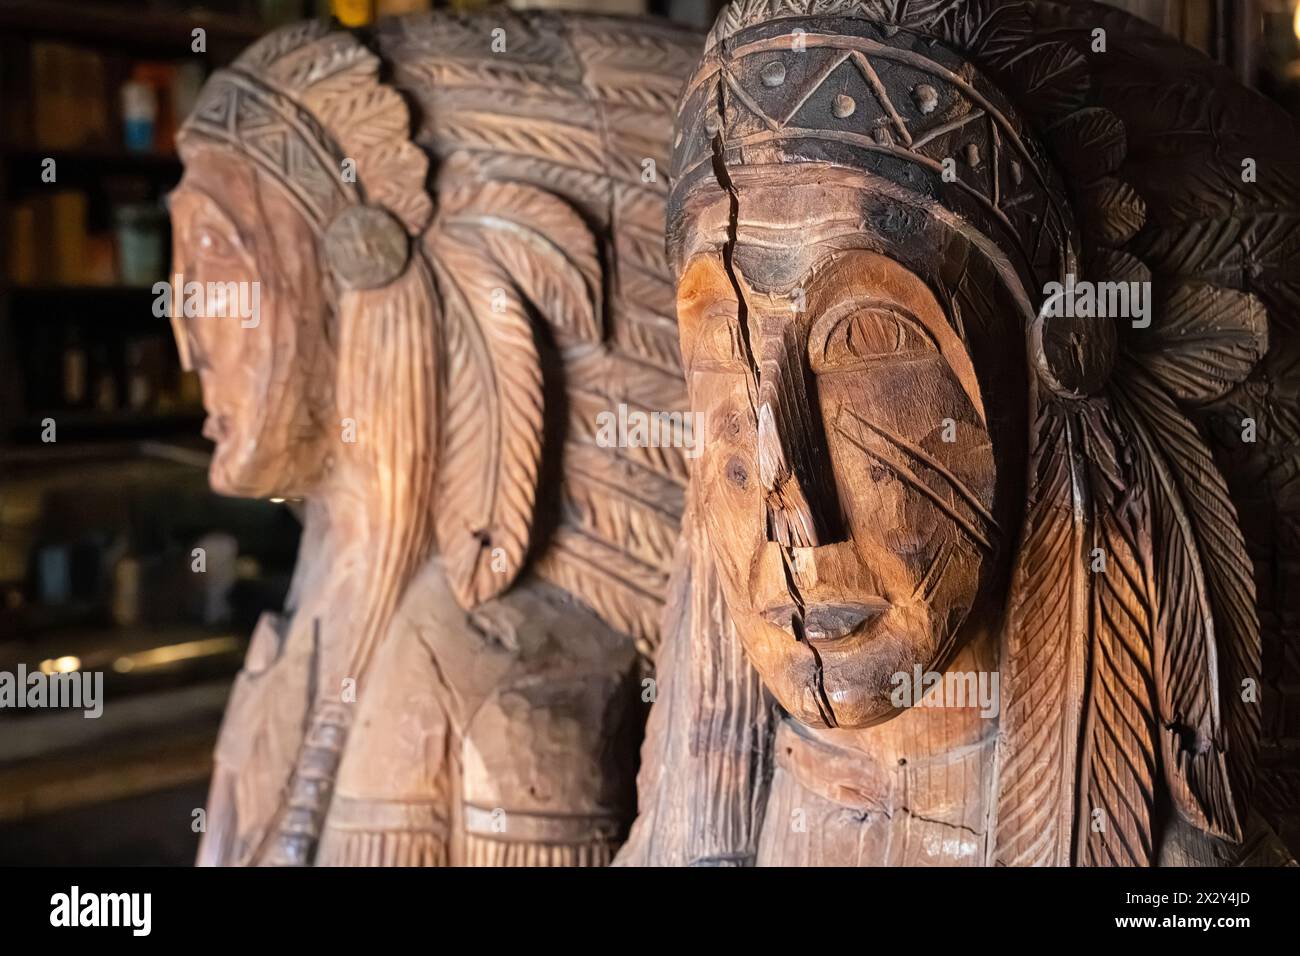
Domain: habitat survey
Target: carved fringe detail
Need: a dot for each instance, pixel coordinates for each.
(733, 725)
(1043, 662)
(398, 418)
(481, 851)
(382, 848)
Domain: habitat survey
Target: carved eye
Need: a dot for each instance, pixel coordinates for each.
(863, 336)
(212, 243)
(718, 347)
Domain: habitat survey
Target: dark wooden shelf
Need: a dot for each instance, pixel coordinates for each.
(126, 306)
(129, 27)
(81, 417)
(77, 290)
(93, 161)
(189, 450)
(78, 425)
(87, 288)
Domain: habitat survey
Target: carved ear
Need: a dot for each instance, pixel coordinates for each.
(501, 250)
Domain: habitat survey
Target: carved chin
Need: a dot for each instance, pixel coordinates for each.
(227, 477)
(239, 471)
(847, 687)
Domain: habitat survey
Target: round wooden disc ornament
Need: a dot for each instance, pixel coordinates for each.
(1072, 354)
(366, 247)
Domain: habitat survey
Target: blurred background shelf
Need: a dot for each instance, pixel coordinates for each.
(138, 28)
(90, 162)
(108, 426)
(98, 528)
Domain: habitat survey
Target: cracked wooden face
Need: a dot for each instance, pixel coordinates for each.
(267, 377)
(847, 477)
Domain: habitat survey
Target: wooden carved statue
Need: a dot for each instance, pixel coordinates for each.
(991, 309)
(460, 268)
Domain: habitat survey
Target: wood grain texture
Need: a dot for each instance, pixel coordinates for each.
(491, 456)
(1132, 609)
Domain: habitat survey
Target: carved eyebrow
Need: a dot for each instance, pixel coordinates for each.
(188, 190)
(698, 340)
(774, 234)
(827, 321)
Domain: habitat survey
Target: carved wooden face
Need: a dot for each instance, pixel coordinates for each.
(266, 372)
(847, 476)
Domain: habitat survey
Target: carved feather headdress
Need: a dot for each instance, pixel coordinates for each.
(1134, 688)
(517, 265)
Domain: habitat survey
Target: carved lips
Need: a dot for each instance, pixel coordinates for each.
(825, 623)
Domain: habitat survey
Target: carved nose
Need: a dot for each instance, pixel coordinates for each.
(790, 519)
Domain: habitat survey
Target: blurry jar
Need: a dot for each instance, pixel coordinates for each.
(140, 245)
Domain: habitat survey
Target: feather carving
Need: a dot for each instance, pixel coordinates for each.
(492, 431)
(1205, 340)
(1043, 663)
(543, 245)
(1078, 763)
(1207, 636)
(1117, 751)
